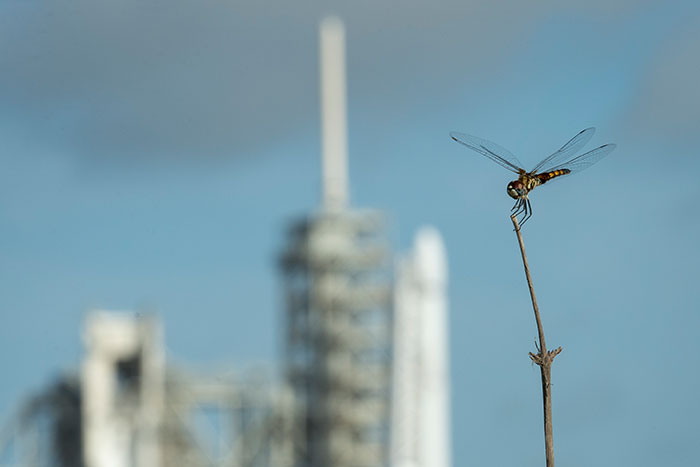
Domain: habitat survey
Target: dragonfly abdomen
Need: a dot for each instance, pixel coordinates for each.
(546, 176)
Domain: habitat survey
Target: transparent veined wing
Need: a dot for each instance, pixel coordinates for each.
(586, 159)
(574, 145)
(496, 153)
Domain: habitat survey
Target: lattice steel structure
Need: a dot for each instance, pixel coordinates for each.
(127, 408)
(338, 339)
(337, 290)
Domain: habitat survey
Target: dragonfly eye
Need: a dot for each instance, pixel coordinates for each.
(512, 191)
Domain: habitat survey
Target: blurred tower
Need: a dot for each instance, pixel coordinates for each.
(127, 408)
(337, 304)
(123, 390)
(420, 425)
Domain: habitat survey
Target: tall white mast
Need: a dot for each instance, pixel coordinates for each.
(333, 115)
(337, 355)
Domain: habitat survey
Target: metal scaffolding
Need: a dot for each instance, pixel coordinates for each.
(338, 339)
(127, 408)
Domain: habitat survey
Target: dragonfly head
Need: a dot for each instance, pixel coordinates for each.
(516, 189)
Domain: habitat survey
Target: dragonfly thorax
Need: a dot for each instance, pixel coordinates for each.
(522, 186)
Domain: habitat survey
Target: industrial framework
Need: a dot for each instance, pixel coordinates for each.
(338, 300)
(366, 380)
(338, 340)
(128, 409)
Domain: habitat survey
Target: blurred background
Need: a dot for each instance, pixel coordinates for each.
(153, 155)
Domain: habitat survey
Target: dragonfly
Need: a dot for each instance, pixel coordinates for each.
(560, 163)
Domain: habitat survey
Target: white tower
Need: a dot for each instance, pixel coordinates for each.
(334, 146)
(123, 391)
(420, 424)
(338, 294)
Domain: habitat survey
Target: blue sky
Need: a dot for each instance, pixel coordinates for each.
(153, 153)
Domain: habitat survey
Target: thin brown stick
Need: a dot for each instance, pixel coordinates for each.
(543, 358)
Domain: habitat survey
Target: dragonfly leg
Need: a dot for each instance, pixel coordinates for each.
(516, 206)
(528, 211)
(519, 208)
(523, 212)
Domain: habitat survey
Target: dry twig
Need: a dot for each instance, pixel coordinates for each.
(543, 358)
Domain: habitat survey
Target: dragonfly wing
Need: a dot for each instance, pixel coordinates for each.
(569, 149)
(496, 153)
(587, 159)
